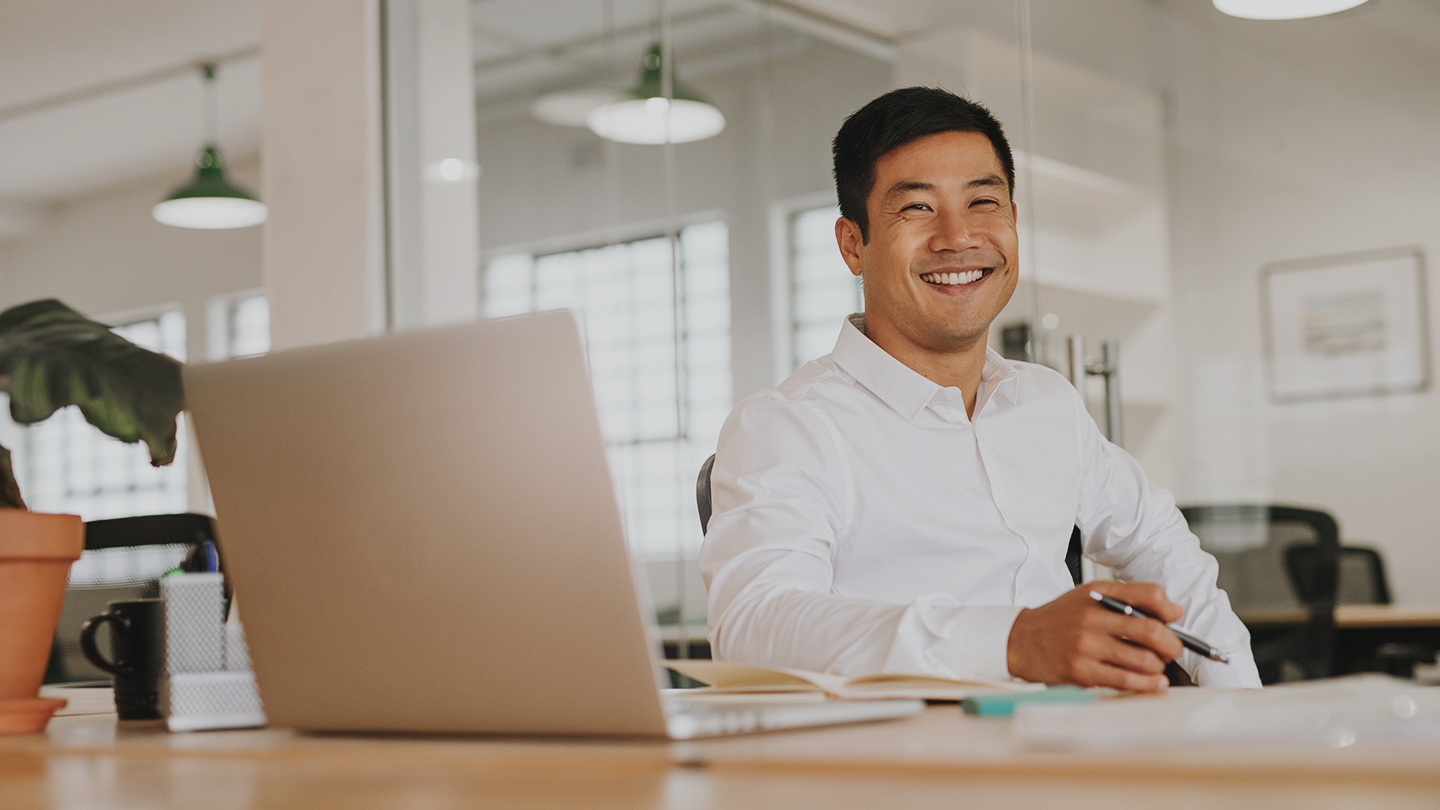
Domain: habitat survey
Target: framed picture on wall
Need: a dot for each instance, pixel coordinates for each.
(1349, 325)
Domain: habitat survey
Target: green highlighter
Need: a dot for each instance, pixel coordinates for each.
(1003, 705)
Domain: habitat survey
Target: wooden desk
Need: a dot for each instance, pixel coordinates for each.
(939, 759)
(1360, 630)
(1353, 616)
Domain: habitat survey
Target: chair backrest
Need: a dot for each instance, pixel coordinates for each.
(702, 493)
(702, 505)
(1278, 558)
(1255, 546)
(124, 559)
(1361, 579)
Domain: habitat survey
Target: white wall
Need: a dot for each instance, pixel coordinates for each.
(324, 245)
(1275, 159)
(103, 255)
(541, 181)
(1287, 140)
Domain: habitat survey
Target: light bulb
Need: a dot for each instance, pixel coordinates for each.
(1283, 9)
(656, 120)
(210, 213)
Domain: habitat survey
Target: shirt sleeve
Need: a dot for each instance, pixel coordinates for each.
(782, 498)
(1135, 528)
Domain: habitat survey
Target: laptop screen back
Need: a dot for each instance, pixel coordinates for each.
(422, 535)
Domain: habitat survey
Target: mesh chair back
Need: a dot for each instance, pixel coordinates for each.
(1257, 548)
(124, 559)
(702, 505)
(1361, 579)
(1251, 544)
(702, 493)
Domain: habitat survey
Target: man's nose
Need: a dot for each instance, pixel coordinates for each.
(954, 231)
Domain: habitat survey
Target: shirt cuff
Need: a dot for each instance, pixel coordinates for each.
(968, 643)
(1240, 673)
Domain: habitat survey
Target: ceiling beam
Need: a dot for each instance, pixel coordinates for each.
(120, 85)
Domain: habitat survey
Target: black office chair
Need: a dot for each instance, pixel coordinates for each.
(124, 559)
(1260, 549)
(702, 493)
(1072, 552)
(1361, 579)
(702, 504)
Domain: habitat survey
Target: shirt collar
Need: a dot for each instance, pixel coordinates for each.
(901, 387)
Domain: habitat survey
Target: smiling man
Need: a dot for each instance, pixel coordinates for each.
(904, 503)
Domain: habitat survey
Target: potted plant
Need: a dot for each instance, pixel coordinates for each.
(52, 357)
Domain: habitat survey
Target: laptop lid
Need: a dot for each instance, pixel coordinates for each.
(422, 534)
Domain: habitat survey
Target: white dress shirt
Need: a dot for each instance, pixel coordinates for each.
(863, 523)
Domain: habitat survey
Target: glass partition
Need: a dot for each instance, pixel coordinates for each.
(1241, 210)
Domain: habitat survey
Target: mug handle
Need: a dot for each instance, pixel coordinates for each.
(92, 652)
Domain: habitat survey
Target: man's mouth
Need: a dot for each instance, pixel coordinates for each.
(951, 279)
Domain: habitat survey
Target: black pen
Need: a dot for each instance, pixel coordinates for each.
(1202, 647)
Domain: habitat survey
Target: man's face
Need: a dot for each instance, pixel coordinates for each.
(941, 260)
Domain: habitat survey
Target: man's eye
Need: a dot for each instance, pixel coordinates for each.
(916, 207)
(985, 202)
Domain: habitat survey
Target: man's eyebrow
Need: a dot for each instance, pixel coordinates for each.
(908, 185)
(905, 186)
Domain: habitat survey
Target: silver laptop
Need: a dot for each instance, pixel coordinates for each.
(422, 536)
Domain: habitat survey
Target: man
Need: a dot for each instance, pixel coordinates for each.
(904, 504)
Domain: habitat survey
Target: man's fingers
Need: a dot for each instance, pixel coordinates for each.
(1147, 596)
(1102, 674)
(1132, 656)
(1147, 633)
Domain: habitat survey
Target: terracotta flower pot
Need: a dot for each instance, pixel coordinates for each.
(36, 551)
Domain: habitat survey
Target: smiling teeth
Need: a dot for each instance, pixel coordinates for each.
(953, 278)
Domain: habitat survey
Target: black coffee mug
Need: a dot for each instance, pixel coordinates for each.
(137, 638)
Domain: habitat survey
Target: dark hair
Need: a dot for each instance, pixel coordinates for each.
(893, 120)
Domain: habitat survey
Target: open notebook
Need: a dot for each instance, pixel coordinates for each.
(723, 676)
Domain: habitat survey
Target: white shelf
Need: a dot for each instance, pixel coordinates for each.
(1098, 312)
(1077, 200)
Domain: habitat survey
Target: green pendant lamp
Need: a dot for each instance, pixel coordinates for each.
(649, 115)
(1283, 9)
(210, 201)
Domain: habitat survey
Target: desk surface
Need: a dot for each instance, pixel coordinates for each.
(1354, 616)
(940, 758)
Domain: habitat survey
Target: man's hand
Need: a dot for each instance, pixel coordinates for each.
(1075, 640)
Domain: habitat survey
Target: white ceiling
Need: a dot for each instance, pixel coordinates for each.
(525, 48)
(70, 124)
(67, 123)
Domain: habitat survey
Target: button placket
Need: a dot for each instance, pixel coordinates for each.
(1002, 503)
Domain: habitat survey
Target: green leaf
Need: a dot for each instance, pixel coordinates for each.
(52, 356)
(9, 489)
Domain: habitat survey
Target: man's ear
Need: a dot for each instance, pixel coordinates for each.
(847, 237)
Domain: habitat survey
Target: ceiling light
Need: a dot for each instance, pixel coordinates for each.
(452, 170)
(1283, 9)
(210, 200)
(648, 115)
(570, 109)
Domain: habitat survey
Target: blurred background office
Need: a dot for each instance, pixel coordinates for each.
(1245, 205)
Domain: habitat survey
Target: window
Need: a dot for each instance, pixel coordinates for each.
(239, 326)
(658, 432)
(822, 288)
(72, 467)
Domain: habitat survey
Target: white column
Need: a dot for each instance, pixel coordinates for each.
(321, 175)
(434, 208)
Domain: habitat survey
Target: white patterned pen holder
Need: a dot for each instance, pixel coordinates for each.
(198, 701)
(194, 622)
(207, 683)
